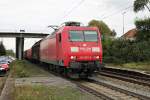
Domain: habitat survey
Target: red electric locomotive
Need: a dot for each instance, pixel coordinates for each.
(72, 49)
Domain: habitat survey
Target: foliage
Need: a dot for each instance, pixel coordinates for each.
(143, 27)
(103, 27)
(125, 51)
(2, 49)
(10, 53)
(143, 24)
(141, 4)
(113, 33)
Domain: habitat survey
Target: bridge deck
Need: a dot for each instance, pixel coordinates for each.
(24, 35)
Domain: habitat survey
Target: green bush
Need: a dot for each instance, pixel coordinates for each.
(121, 51)
(125, 51)
(143, 27)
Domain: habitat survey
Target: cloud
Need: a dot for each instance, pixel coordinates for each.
(36, 15)
(118, 3)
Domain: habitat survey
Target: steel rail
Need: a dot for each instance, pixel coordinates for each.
(142, 97)
(127, 73)
(92, 91)
(128, 79)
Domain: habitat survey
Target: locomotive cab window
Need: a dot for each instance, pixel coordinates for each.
(59, 36)
(76, 36)
(87, 36)
(91, 36)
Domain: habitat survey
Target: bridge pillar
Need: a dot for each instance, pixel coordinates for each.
(19, 47)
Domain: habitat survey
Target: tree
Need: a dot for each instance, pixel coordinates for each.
(2, 49)
(10, 53)
(143, 27)
(141, 4)
(113, 33)
(103, 27)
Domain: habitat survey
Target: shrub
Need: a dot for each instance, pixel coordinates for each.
(121, 51)
(126, 51)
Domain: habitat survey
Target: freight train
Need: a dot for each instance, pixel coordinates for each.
(73, 50)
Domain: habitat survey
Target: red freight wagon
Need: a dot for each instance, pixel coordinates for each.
(28, 54)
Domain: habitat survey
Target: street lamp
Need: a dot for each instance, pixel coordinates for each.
(123, 20)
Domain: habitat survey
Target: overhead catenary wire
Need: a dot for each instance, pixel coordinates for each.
(119, 6)
(105, 16)
(120, 11)
(72, 9)
(79, 3)
(117, 12)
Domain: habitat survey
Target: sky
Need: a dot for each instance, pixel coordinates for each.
(36, 15)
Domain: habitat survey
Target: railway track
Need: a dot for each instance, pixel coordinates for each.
(125, 75)
(106, 91)
(109, 92)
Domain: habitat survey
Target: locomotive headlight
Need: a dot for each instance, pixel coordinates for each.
(97, 57)
(95, 49)
(73, 57)
(74, 49)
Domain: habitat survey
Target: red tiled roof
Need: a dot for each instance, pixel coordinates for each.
(130, 34)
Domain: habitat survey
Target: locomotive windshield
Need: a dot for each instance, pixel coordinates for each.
(76, 36)
(90, 36)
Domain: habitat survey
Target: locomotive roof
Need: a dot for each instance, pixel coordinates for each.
(67, 28)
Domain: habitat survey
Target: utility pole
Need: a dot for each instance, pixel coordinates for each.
(123, 20)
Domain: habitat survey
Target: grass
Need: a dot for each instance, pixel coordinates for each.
(2, 83)
(47, 93)
(24, 68)
(143, 66)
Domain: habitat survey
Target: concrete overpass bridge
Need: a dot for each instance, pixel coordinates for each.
(20, 40)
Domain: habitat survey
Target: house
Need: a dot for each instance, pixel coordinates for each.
(130, 35)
